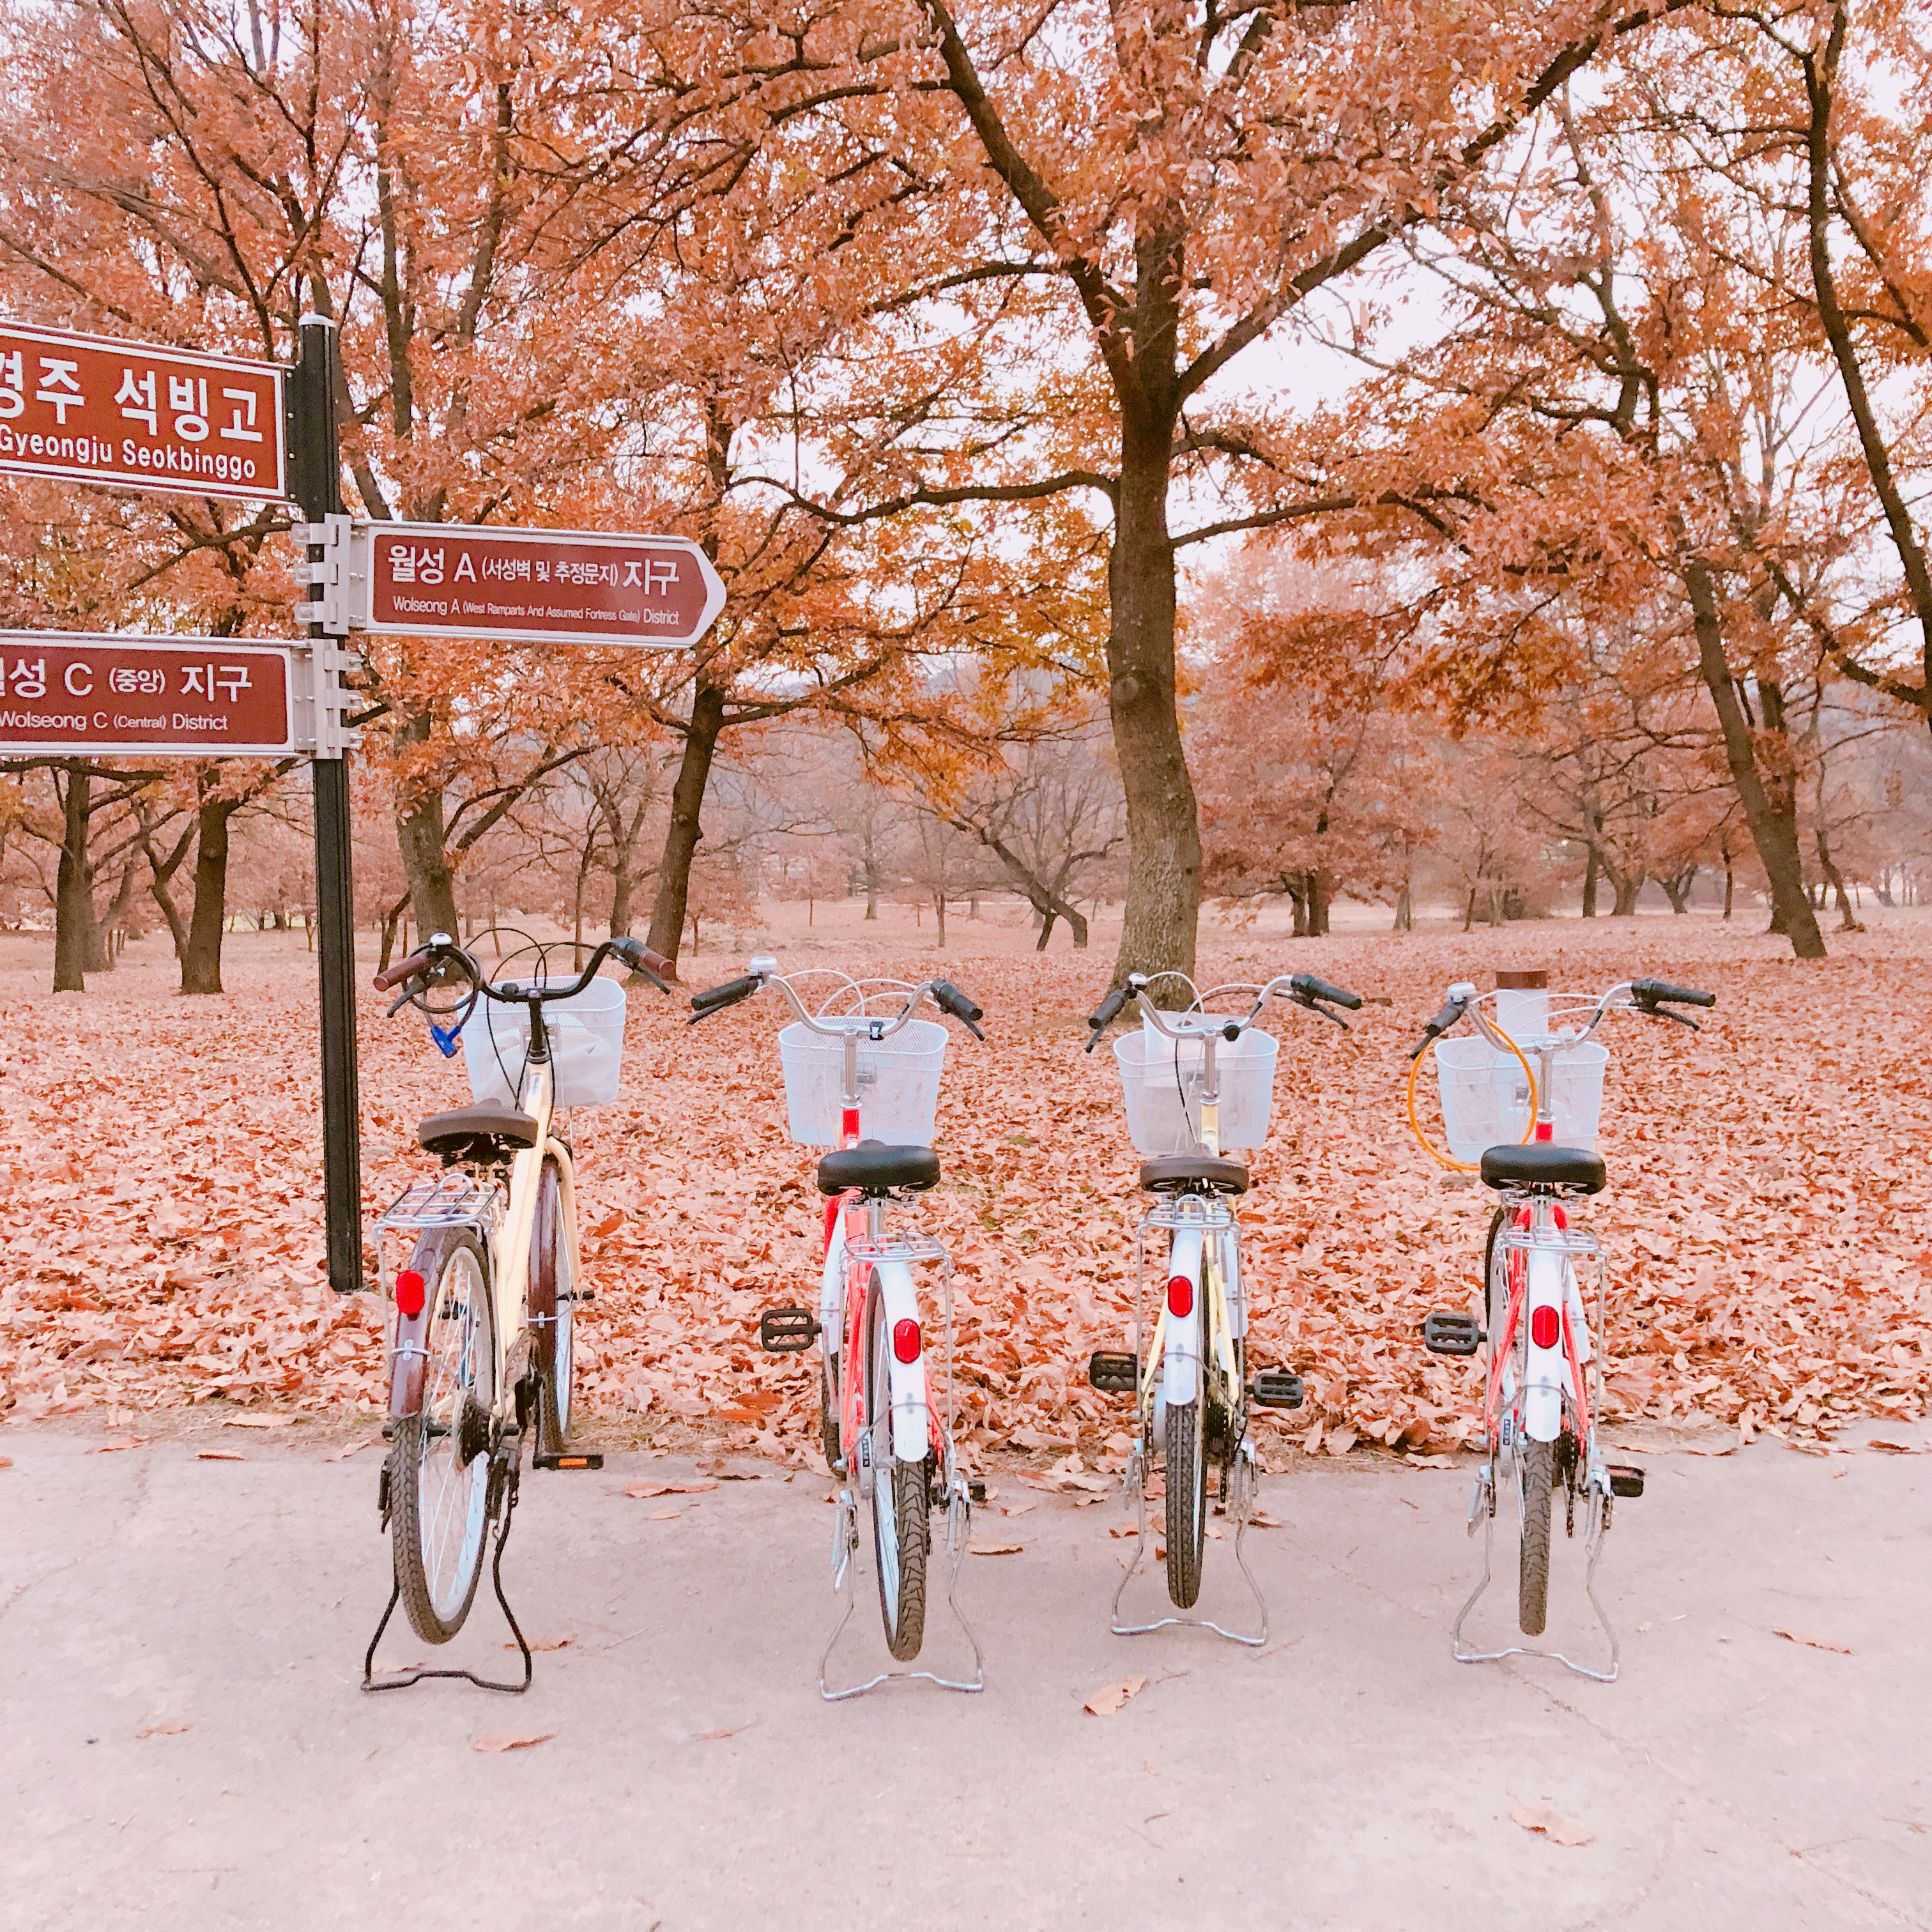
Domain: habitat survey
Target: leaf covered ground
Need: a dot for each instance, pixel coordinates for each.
(1767, 1225)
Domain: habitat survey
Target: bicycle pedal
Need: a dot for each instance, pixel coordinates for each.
(787, 1331)
(1626, 1480)
(568, 1459)
(976, 1491)
(1449, 1332)
(1114, 1374)
(1276, 1388)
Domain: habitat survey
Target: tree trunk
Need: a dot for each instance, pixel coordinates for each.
(1848, 920)
(1730, 877)
(1469, 910)
(1405, 909)
(421, 839)
(1298, 900)
(201, 959)
(74, 896)
(939, 912)
(1593, 867)
(1320, 896)
(1771, 812)
(1628, 886)
(685, 829)
(1677, 890)
(1163, 823)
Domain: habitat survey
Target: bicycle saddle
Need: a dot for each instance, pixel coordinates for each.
(875, 1168)
(455, 1134)
(1210, 1172)
(1543, 1164)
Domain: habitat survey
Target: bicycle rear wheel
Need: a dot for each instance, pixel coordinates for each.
(438, 1462)
(1186, 1499)
(901, 1530)
(1539, 1470)
(553, 1290)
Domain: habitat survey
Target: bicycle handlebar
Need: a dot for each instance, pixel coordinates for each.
(715, 999)
(405, 969)
(1308, 988)
(1303, 989)
(949, 998)
(945, 996)
(1648, 993)
(1452, 1011)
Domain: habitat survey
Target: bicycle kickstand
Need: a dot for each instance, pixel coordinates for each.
(402, 1680)
(1483, 1503)
(1240, 1505)
(844, 1551)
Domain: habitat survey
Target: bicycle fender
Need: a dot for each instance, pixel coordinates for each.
(911, 1429)
(831, 1284)
(407, 1361)
(1181, 1354)
(1546, 1373)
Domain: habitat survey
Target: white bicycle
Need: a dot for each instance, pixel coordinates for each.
(861, 1076)
(1521, 1105)
(1196, 1084)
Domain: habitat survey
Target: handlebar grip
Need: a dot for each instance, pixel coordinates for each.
(715, 999)
(1109, 1010)
(1441, 1024)
(404, 969)
(642, 961)
(1648, 992)
(1320, 989)
(959, 1004)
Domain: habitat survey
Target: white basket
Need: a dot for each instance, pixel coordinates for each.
(1161, 1081)
(898, 1085)
(1486, 1096)
(586, 1046)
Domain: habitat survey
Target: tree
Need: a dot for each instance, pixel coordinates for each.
(1135, 198)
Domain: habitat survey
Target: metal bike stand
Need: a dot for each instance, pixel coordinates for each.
(402, 1680)
(845, 1548)
(909, 1245)
(1483, 1501)
(1240, 1507)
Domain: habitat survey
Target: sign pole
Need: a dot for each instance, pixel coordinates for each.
(317, 478)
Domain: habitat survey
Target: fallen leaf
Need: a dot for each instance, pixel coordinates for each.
(1125, 1529)
(1110, 1697)
(1730, 1448)
(1428, 1461)
(6, 1462)
(109, 1448)
(221, 1456)
(1816, 1642)
(349, 1449)
(998, 1549)
(662, 1516)
(510, 1741)
(1015, 1509)
(715, 1737)
(164, 1727)
(646, 1490)
(546, 1642)
(1261, 1519)
(1559, 1830)
(256, 1421)
(1886, 1446)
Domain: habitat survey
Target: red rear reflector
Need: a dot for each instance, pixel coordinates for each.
(1180, 1296)
(905, 1340)
(1543, 1326)
(409, 1287)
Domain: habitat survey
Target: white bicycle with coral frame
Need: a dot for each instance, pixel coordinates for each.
(862, 1075)
(1544, 1385)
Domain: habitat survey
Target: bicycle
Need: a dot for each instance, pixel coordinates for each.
(1189, 1102)
(1544, 1380)
(484, 1309)
(888, 1443)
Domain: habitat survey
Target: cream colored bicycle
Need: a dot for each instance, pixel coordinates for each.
(484, 1308)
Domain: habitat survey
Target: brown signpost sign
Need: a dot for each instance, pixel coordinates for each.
(62, 694)
(86, 408)
(538, 586)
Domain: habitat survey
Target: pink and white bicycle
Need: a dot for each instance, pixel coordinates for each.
(1535, 1068)
(861, 1076)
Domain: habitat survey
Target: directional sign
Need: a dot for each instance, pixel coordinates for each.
(62, 693)
(537, 587)
(87, 409)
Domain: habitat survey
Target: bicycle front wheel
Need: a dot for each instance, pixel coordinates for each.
(901, 1530)
(553, 1307)
(1539, 1472)
(438, 1462)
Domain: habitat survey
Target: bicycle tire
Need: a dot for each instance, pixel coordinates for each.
(1495, 1296)
(1539, 1470)
(440, 1502)
(829, 1439)
(900, 1499)
(1186, 1500)
(553, 1288)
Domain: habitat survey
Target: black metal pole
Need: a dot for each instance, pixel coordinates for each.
(316, 465)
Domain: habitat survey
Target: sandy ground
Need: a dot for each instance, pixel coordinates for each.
(187, 1745)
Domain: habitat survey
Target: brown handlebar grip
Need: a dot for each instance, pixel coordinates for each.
(657, 962)
(403, 969)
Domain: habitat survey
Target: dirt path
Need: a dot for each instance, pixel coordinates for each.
(186, 1746)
